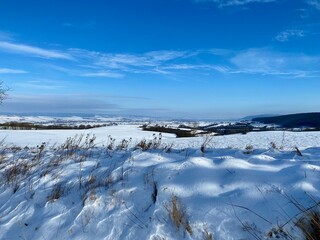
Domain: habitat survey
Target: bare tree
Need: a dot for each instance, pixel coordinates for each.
(3, 92)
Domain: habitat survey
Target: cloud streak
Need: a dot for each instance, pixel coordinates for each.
(11, 71)
(267, 62)
(5, 36)
(42, 84)
(32, 51)
(286, 35)
(91, 64)
(314, 3)
(103, 74)
(115, 65)
(124, 60)
(229, 3)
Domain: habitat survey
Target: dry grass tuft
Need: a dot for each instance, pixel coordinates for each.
(309, 224)
(155, 143)
(56, 193)
(207, 235)
(248, 149)
(297, 151)
(178, 214)
(16, 172)
(273, 145)
(206, 140)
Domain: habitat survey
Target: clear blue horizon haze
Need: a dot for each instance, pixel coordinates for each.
(161, 58)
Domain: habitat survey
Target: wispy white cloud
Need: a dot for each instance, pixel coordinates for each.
(120, 61)
(267, 62)
(85, 70)
(33, 51)
(220, 51)
(306, 26)
(159, 56)
(314, 3)
(261, 61)
(5, 36)
(184, 66)
(113, 65)
(93, 64)
(59, 68)
(11, 71)
(102, 74)
(222, 69)
(286, 35)
(201, 67)
(227, 3)
(44, 84)
(149, 59)
(117, 64)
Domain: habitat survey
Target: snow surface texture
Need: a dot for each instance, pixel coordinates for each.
(285, 140)
(94, 187)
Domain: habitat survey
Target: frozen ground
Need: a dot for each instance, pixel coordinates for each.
(239, 188)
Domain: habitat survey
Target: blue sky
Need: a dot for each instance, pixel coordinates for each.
(166, 58)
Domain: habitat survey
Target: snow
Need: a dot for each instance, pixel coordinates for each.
(286, 140)
(96, 193)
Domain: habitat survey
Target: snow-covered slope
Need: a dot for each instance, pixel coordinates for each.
(285, 140)
(241, 187)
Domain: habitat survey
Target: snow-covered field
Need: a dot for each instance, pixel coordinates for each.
(240, 187)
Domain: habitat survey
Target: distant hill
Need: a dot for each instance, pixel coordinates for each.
(293, 120)
(249, 118)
